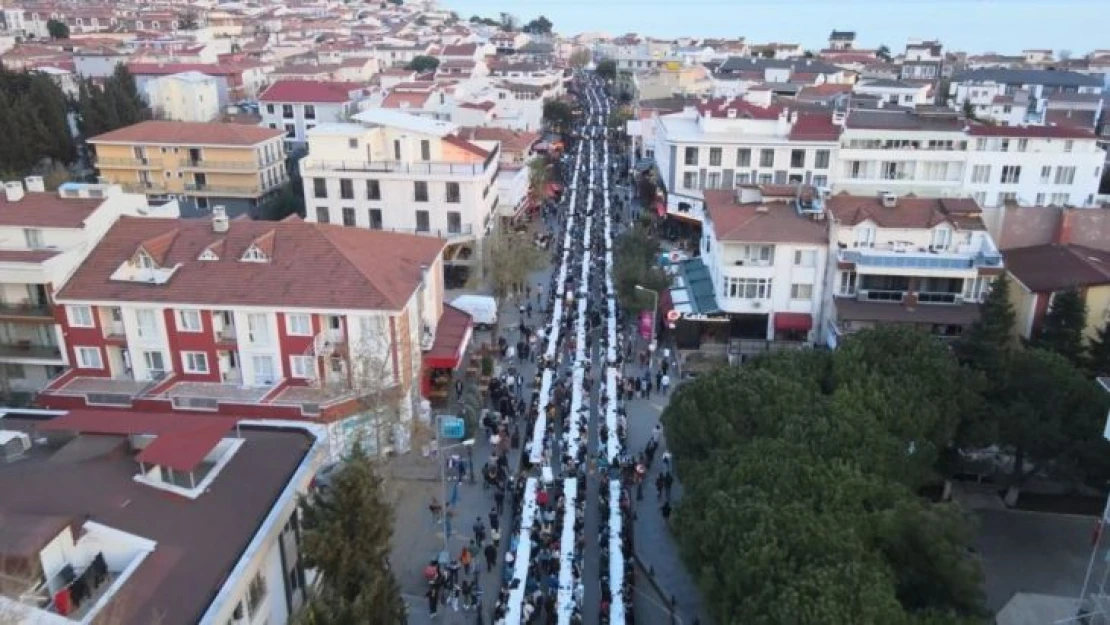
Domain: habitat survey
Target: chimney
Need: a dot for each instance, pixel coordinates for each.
(13, 191)
(888, 199)
(35, 184)
(1062, 235)
(219, 219)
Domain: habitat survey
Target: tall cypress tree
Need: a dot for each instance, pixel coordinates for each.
(1062, 330)
(987, 344)
(53, 111)
(1098, 352)
(348, 528)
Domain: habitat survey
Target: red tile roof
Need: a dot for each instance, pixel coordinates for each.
(308, 91)
(46, 210)
(164, 69)
(719, 107)
(1038, 132)
(773, 222)
(815, 127)
(365, 269)
(909, 212)
(463, 144)
(189, 133)
(1055, 267)
(512, 141)
(185, 448)
(405, 99)
(27, 256)
(466, 49)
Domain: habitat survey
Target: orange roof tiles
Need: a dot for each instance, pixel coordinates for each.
(189, 133)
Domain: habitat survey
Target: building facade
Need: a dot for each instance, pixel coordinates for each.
(297, 106)
(185, 97)
(200, 165)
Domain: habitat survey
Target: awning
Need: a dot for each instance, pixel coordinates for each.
(184, 449)
(691, 291)
(125, 423)
(452, 336)
(787, 321)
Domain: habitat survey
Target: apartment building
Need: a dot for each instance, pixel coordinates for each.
(403, 173)
(724, 143)
(184, 97)
(896, 92)
(46, 235)
(297, 106)
(923, 60)
(936, 153)
(915, 261)
(516, 153)
(765, 249)
(201, 165)
(135, 518)
(236, 317)
(979, 86)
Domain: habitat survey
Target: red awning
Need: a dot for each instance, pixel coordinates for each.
(801, 322)
(452, 336)
(184, 449)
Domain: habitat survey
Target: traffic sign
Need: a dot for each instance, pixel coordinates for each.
(451, 427)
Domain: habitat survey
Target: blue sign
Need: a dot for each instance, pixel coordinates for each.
(451, 427)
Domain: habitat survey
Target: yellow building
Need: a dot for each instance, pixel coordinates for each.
(1038, 272)
(200, 164)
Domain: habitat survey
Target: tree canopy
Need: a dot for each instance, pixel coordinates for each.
(539, 26)
(636, 262)
(580, 58)
(423, 63)
(57, 29)
(348, 527)
(113, 104)
(558, 115)
(607, 69)
(33, 123)
(1062, 328)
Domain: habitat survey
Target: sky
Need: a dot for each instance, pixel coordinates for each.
(974, 26)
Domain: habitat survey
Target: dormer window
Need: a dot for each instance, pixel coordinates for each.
(144, 261)
(255, 255)
(208, 255)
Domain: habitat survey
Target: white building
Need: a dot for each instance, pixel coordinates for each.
(184, 97)
(297, 106)
(914, 261)
(1029, 88)
(400, 172)
(766, 256)
(46, 236)
(896, 92)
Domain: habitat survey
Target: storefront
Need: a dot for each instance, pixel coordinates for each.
(442, 359)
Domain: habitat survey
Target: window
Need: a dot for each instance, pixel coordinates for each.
(270, 108)
(423, 222)
(195, 362)
(691, 156)
(797, 158)
(715, 157)
(89, 358)
(189, 321)
(1039, 200)
(425, 150)
(980, 197)
(865, 236)
(1011, 174)
(298, 325)
(1065, 175)
(454, 222)
(33, 238)
(821, 182)
(373, 190)
(805, 258)
(256, 592)
(821, 160)
(1004, 145)
(352, 144)
(258, 328)
(287, 111)
(263, 370)
(942, 237)
(302, 367)
(420, 191)
(747, 288)
(757, 254)
(396, 149)
(980, 145)
(765, 179)
(743, 178)
(743, 157)
(1068, 145)
(147, 323)
(690, 180)
(1046, 174)
(1004, 198)
(766, 158)
(309, 111)
(290, 131)
(454, 196)
(1059, 199)
(981, 173)
(80, 316)
(714, 181)
(375, 219)
(319, 187)
(347, 189)
(322, 215)
(348, 216)
(1023, 145)
(801, 291)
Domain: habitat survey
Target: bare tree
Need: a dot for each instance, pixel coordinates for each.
(1065, 55)
(538, 178)
(509, 258)
(580, 58)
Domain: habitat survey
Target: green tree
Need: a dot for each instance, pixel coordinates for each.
(114, 104)
(537, 179)
(57, 29)
(187, 20)
(636, 262)
(1098, 352)
(989, 342)
(34, 123)
(423, 63)
(883, 53)
(1062, 329)
(539, 26)
(348, 528)
(558, 115)
(618, 117)
(580, 58)
(607, 69)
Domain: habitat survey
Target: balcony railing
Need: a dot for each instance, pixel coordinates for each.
(213, 165)
(113, 329)
(128, 163)
(226, 334)
(919, 260)
(926, 297)
(881, 295)
(447, 233)
(401, 167)
(37, 311)
(145, 187)
(230, 191)
(29, 349)
(895, 296)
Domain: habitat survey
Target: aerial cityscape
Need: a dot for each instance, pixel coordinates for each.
(415, 312)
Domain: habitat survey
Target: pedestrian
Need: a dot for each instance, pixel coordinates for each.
(453, 597)
(659, 486)
(668, 481)
(499, 499)
(667, 461)
(464, 559)
(522, 309)
(479, 530)
(494, 519)
(491, 557)
(460, 464)
(435, 508)
(666, 510)
(433, 602)
(665, 383)
(528, 310)
(656, 433)
(495, 538)
(467, 594)
(659, 380)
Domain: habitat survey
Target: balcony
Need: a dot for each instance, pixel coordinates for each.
(920, 259)
(17, 351)
(127, 163)
(226, 335)
(188, 164)
(421, 168)
(900, 296)
(113, 331)
(250, 191)
(26, 312)
(145, 187)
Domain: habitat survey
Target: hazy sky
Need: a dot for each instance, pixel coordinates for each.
(1004, 26)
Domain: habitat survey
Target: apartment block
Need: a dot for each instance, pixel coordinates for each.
(200, 165)
(297, 106)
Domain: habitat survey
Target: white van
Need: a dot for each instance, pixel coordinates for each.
(482, 308)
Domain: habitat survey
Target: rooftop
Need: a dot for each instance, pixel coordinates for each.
(198, 541)
(308, 91)
(1056, 267)
(189, 133)
(405, 121)
(1046, 77)
(46, 210)
(908, 212)
(366, 269)
(901, 119)
(761, 222)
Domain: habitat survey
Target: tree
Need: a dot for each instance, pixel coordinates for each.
(348, 527)
(509, 258)
(883, 53)
(969, 110)
(607, 69)
(1098, 352)
(636, 262)
(539, 26)
(987, 345)
(422, 64)
(34, 124)
(618, 117)
(509, 22)
(57, 29)
(538, 177)
(648, 189)
(114, 104)
(187, 21)
(1062, 329)
(580, 58)
(558, 115)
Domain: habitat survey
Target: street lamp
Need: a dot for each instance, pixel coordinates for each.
(654, 314)
(441, 458)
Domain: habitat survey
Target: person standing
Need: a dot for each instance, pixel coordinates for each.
(464, 559)
(665, 383)
(491, 557)
(479, 531)
(433, 601)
